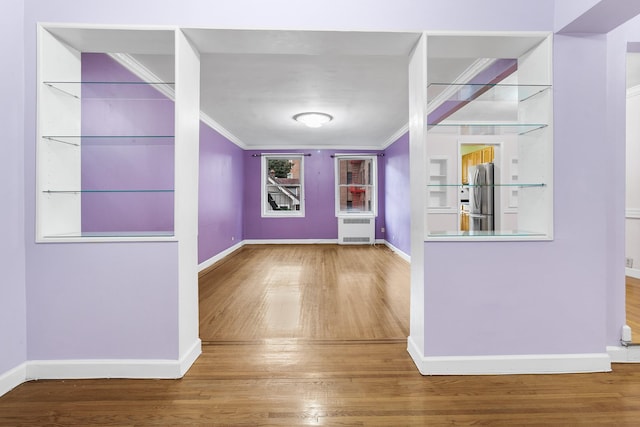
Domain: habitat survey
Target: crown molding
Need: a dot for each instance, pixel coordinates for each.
(133, 65)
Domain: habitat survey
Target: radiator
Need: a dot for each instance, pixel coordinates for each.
(356, 231)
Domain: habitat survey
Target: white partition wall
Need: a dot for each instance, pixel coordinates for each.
(186, 201)
(96, 137)
(417, 181)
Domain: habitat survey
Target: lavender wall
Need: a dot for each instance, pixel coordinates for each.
(103, 300)
(13, 350)
(92, 300)
(545, 297)
(398, 194)
(320, 220)
(130, 162)
(221, 189)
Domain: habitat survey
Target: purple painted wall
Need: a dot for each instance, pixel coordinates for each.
(320, 220)
(398, 194)
(133, 162)
(221, 189)
(13, 334)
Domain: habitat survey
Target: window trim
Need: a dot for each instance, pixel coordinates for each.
(267, 213)
(374, 185)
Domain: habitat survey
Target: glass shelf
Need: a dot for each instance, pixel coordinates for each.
(514, 185)
(486, 129)
(104, 191)
(111, 234)
(130, 91)
(493, 233)
(75, 140)
(468, 92)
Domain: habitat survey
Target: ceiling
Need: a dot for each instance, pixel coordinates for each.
(254, 81)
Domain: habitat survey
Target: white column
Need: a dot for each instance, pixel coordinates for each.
(417, 156)
(187, 129)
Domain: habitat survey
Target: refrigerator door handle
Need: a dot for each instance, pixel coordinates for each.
(476, 191)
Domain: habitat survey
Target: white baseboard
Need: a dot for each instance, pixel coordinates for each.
(190, 357)
(632, 272)
(510, 364)
(13, 378)
(401, 254)
(208, 263)
(619, 354)
(290, 241)
(113, 368)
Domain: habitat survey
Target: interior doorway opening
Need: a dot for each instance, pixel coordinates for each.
(486, 150)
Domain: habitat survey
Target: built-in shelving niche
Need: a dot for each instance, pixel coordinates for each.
(514, 112)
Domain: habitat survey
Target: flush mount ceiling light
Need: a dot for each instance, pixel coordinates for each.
(313, 119)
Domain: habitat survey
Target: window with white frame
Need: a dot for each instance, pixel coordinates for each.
(282, 185)
(356, 184)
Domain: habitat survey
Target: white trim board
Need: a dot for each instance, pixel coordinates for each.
(13, 378)
(510, 364)
(619, 354)
(398, 252)
(632, 213)
(134, 66)
(99, 368)
(632, 272)
(208, 263)
(290, 241)
(113, 368)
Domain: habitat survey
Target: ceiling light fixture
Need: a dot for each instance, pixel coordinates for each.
(313, 119)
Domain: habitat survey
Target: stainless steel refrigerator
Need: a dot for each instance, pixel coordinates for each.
(481, 197)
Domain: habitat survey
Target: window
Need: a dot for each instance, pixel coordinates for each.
(356, 187)
(282, 185)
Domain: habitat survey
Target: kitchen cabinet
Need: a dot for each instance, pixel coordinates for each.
(487, 154)
(483, 155)
(466, 162)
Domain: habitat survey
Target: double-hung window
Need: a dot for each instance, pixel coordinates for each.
(356, 184)
(282, 185)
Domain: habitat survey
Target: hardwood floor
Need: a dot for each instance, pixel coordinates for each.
(308, 292)
(317, 336)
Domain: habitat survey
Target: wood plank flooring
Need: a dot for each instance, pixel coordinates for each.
(264, 365)
(308, 292)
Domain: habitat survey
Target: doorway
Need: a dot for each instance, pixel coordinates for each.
(632, 197)
(480, 149)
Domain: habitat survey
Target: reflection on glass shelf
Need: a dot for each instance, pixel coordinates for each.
(485, 129)
(488, 92)
(136, 91)
(84, 234)
(105, 191)
(493, 233)
(77, 140)
(516, 185)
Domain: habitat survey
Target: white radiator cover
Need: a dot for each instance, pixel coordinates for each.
(356, 230)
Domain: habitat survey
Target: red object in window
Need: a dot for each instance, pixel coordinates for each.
(356, 189)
